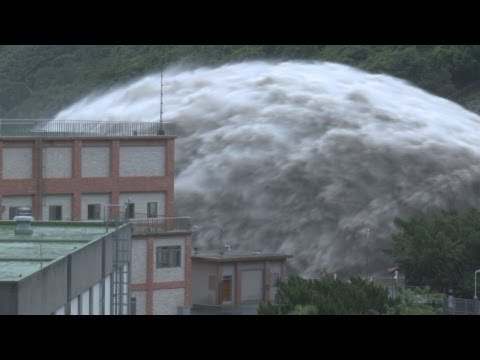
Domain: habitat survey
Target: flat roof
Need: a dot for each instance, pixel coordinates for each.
(236, 255)
(23, 255)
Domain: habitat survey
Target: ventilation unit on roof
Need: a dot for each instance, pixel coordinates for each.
(24, 221)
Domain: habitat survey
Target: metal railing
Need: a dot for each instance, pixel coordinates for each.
(161, 225)
(83, 128)
(455, 306)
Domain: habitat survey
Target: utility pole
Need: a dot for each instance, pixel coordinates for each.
(367, 272)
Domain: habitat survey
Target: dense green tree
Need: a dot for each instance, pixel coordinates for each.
(38, 80)
(298, 296)
(442, 251)
(418, 301)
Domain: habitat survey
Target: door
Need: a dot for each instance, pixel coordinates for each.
(252, 285)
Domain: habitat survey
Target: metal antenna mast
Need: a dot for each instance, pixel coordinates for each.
(161, 99)
(368, 233)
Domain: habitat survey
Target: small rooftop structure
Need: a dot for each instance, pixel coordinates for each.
(228, 255)
(234, 281)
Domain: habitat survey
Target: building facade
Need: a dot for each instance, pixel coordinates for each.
(108, 171)
(65, 268)
(74, 176)
(162, 270)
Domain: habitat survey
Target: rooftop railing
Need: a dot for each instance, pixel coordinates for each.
(161, 225)
(83, 128)
(144, 224)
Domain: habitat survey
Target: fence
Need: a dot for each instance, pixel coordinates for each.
(454, 306)
(83, 128)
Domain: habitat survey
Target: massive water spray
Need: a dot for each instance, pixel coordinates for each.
(303, 158)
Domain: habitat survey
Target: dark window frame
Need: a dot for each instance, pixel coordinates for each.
(94, 211)
(168, 257)
(12, 210)
(55, 212)
(130, 211)
(152, 213)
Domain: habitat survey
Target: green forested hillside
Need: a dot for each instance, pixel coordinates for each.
(38, 80)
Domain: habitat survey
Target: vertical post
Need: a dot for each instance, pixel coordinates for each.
(366, 270)
(395, 288)
(475, 294)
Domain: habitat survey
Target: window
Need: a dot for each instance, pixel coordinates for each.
(12, 212)
(130, 211)
(169, 256)
(227, 288)
(55, 212)
(152, 209)
(93, 211)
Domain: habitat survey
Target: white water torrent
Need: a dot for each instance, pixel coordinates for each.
(303, 158)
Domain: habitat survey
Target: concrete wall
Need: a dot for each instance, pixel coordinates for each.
(167, 301)
(96, 161)
(142, 198)
(17, 162)
(15, 201)
(169, 274)
(58, 162)
(139, 261)
(78, 289)
(9, 298)
(102, 199)
(201, 292)
(65, 200)
(141, 301)
(142, 161)
(86, 267)
(45, 291)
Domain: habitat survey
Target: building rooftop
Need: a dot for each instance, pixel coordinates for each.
(225, 255)
(22, 255)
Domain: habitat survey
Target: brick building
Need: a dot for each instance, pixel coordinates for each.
(95, 171)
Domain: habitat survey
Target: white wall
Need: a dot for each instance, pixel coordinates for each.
(142, 160)
(65, 200)
(102, 199)
(139, 261)
(96, 161)
(169, 274)
(166, 301)
(107, 299)
(85, 303)
(201, 292)
(96, 299)
(74, 306)
(58, 162)
(60, 311)
(15, 201)
(142, 198)
(17, 163)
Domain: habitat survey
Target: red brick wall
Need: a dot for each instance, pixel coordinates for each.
(78, 185)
